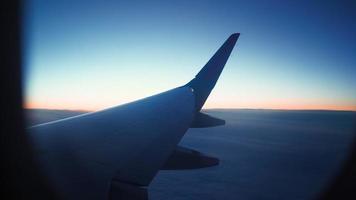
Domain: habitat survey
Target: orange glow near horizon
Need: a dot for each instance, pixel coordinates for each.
(212, 105)
(295, 107)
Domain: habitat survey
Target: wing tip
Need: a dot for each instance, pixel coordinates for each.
(234, 36)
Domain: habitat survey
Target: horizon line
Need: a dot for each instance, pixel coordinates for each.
(235, 108)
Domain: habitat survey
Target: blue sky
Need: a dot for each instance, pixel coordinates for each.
(89, 55)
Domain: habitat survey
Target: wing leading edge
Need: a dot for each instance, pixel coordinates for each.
(84, 157)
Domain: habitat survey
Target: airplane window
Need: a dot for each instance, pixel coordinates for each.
(106, 117)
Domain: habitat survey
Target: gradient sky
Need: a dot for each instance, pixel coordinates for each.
(88, 55)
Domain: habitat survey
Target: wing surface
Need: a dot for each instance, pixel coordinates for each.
(83, 156)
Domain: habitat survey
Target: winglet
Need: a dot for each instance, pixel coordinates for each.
(206, 79)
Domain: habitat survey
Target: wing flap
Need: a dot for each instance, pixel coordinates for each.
(202, 120)
(185, 158)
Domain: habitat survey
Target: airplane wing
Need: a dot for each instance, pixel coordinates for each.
(115, 153)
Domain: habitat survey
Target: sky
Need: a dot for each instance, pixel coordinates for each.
(90, 55)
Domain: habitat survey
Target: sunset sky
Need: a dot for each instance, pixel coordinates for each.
(89, 55)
